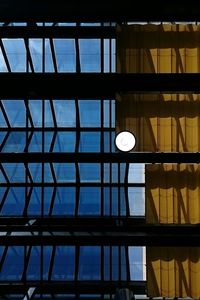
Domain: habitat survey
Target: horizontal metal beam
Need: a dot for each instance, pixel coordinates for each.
(69, 32)
(93, 85)
(72, 287)
(138, 235)
(134, 157)
(67, 222)
(90, 11)
(87, 223)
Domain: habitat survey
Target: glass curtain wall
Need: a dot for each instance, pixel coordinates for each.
(39, 190)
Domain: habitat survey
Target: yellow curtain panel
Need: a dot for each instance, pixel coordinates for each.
(167, 123)
(173, 272)
(172, 193)
(160, 122)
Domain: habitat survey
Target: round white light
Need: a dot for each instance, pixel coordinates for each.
(125, 141)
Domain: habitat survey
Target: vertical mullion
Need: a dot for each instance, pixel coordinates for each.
(52, 200)
(110, 261)
(119, 263)
(43, 150)
(28, 113)
(128, 276)
(28, 55)
(28, 140)
(41, 262)
(102, 263)
(43, 141)
(43, 132)
(110, 149)
(27, 255)
(76, 151)
(118, 189)
(53, 113)
(126, 190)
(53, 54)
(102, 151)
(53, 141)
(102, 127)
(78, 64)
(77, 257)
(51, 263)
(27, 194)
(27, 199)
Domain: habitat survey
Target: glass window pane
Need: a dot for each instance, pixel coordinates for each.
(16, 112)
(65, 55)
(124, 269)
(35, 107)
(136, 198)
(113, 55)
(106, 113)
(65, 142)
(34, 264)
(14, 203)
(48, 140)
(64, 263)
(15, 142)
(48, 173)
(3, 67)
(115, 263)
(35, 46)
(13, 266)
(15, 171)
(16, 53)
(35, 171)
(106, 55)
(64, 203)
(90, 55)
(65, 172)
(90, 201)
(89, 142)
(136, 173)
(89, 172)
(49, 67)
(137, 263)
(107, 262)
(89, 263)
(47, 252)
(65, 113)
(48, 115)
(36, 142)
(90, 113)
(2, 120)
(34, 207)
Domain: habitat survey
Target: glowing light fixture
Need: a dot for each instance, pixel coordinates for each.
(125, 141)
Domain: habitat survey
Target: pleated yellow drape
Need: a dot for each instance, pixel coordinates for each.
(165, 122)
(172, 193)
(160, 122)
(162, 48)
(173, 272)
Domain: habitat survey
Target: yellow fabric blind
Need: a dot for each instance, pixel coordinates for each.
(172, 196)
(172, 193)
(165, 122)
(173, 272)
(160, 122)
(162, 48)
